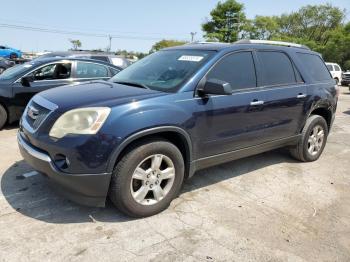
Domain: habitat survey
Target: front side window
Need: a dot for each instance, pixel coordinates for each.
(165, 70)
(53, 72)
(236, 69)
(337, 68)
(91, 70)
(276, 68)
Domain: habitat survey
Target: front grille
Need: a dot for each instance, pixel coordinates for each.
(35, 114)
(346, 77)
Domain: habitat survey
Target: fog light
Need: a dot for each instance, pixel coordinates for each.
(61, 161)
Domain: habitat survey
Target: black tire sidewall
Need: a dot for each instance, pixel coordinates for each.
(124, 175)
(313, 121)
(3, 116)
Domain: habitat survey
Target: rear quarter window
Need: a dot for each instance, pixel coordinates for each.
(316, 68)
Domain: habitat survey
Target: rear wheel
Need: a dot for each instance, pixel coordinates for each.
(13, 56)
(147, 178)
(3, 116)
(312, 141)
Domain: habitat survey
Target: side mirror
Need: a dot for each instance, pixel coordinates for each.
(215, 87)
(26, 80)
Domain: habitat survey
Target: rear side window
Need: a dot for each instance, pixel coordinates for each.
(237, 69)
(277, 69)
(315, 66)
(90, 70)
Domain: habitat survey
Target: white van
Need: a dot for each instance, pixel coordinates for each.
(336, 71)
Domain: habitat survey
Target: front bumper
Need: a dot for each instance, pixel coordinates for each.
(345, 82)
(85, 189)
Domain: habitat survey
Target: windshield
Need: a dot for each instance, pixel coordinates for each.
(15, 71)
(164, 70)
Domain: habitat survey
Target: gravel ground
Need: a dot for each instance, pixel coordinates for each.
(262, 208)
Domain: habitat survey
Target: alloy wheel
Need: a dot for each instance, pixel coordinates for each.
(315, 141)
(152, 179)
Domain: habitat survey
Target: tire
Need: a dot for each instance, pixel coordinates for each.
(302, 150)
(3, 116)
(2, 70)
(13, 56)
(124, 188)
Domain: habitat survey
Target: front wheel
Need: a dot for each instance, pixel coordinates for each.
(147, 178)
(312, 141)
(2, 70)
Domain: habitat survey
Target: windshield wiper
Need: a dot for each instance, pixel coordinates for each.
(132, 84)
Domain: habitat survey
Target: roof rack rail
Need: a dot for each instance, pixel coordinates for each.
(268, 42)
(204, 43)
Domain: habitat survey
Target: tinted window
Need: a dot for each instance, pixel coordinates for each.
(277, 69)
(114, 71)
(315, 66)
(337, 68)
(90, 70)
(101, 58)
(330, 67)
(53, 71)
(237, 69)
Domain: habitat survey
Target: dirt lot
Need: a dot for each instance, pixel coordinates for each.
(262, 208)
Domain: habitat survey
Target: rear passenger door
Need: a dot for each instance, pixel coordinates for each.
(285, 95)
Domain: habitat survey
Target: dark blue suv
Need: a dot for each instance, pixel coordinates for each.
(137, 136)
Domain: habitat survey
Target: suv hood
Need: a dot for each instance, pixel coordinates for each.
(96, 93)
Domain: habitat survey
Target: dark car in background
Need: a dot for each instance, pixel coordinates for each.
(5, 63)
(105, 57)
(137, 136)
(20, 83)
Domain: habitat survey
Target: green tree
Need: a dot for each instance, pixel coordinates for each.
(264, 27)
(75, 43)
(226, 22)
(166, 43)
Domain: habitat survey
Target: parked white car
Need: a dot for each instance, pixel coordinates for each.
(336, 71)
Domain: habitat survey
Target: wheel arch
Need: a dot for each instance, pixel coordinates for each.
(176, 135)
(324, 112)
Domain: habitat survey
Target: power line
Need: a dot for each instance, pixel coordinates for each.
(66, 32)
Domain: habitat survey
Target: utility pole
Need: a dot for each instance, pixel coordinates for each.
(192, 36)
(110, 43)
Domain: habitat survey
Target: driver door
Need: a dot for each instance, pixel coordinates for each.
(46, 77)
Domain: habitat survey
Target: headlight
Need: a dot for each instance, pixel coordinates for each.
(84, 121)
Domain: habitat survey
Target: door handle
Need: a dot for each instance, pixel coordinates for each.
(301, 96)
(257, 103)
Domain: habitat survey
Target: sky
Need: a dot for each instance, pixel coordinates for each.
(136, 24)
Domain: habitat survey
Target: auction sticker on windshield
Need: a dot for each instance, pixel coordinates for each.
(191, 58)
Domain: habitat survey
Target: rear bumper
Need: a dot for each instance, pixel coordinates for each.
(85, 189)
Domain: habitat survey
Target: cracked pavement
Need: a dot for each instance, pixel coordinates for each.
(267, 207)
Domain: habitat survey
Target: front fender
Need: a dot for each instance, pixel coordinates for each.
(131, 123)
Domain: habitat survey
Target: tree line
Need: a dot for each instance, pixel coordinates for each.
(320, 27)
